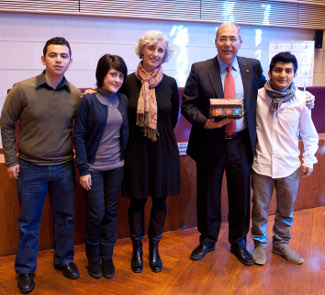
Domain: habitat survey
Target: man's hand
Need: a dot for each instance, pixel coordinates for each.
(310, 100)
(305, 171)
(212, 124)
(13, 171)
(88, 91)
(85, 182)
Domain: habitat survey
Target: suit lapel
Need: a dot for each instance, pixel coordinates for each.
(246, 75)
(214, 76)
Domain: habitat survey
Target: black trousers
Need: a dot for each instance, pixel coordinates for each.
(209, 180)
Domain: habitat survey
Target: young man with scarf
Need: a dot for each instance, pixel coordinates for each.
(281, 114)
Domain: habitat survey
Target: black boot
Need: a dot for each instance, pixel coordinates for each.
(157, 221)
(136, 222)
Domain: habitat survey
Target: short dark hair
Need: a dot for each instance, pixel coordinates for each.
(285, 57)
(56, 41)
(107, 62)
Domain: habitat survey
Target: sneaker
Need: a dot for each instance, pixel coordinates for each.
(259, 254)
(108, 268)
(284, 251)
(95, 269)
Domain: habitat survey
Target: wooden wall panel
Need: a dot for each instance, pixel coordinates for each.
(181, 208)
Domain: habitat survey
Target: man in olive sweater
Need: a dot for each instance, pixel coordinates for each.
(44, 106)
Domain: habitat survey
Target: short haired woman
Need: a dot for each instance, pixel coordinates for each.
(101, 135)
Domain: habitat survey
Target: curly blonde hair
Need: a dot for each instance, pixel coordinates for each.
(153, 37)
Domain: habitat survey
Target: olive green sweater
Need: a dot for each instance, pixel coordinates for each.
(45, 120)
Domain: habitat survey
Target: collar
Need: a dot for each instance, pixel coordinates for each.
(41, 82)
(223, 66)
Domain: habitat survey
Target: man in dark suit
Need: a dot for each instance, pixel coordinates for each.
(214, 151)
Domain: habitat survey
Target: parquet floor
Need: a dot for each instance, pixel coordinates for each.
(219, 273)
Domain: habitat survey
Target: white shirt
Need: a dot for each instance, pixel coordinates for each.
(241, 123)
(277, 152)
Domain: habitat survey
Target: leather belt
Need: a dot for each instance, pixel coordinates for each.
(235, 134)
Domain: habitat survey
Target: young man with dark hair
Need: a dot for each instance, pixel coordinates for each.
(44, 106)
(281, 114)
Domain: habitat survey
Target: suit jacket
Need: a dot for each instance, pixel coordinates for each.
(208, 146)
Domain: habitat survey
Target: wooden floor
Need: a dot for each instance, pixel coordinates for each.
(219, 273)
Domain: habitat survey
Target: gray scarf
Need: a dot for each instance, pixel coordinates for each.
(278, 98)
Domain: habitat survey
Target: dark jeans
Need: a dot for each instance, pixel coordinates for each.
(102, 201)
(32, 186)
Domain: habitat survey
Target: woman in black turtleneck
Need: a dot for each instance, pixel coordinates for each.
(101, 135)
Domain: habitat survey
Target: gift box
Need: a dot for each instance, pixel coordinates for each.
(226, 108)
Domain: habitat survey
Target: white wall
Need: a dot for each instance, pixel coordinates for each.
(22, 37)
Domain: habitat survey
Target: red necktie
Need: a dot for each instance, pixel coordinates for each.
(230, 92)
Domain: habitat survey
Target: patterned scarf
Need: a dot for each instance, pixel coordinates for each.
(278, 98)
(147, 104)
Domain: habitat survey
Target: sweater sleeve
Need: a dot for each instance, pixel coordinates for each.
(80, 129)
(10, 114)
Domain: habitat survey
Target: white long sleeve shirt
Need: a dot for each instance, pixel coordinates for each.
(277, 152)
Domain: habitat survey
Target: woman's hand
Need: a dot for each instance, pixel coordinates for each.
(212, 124)
(85, 182)
(88, 91)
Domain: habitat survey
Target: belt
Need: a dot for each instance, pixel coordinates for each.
(235, 134)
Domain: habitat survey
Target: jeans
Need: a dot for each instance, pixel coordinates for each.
(286, 193)
(32, 186)
(102, 205)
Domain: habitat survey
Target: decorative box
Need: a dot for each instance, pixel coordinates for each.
(226, 108)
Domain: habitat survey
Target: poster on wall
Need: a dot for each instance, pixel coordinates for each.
(304, 52)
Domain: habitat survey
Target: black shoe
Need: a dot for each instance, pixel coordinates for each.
(108, 268)
(201, 250)
(243, 256)
(26, 283)
(69, 270)
(95, 269)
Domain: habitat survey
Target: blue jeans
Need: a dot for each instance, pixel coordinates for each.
(286, 192)
(32, 186)
(102, 205)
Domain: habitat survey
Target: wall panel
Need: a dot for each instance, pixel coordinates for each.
(55, 6)
(290, 13)
(161, 9)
